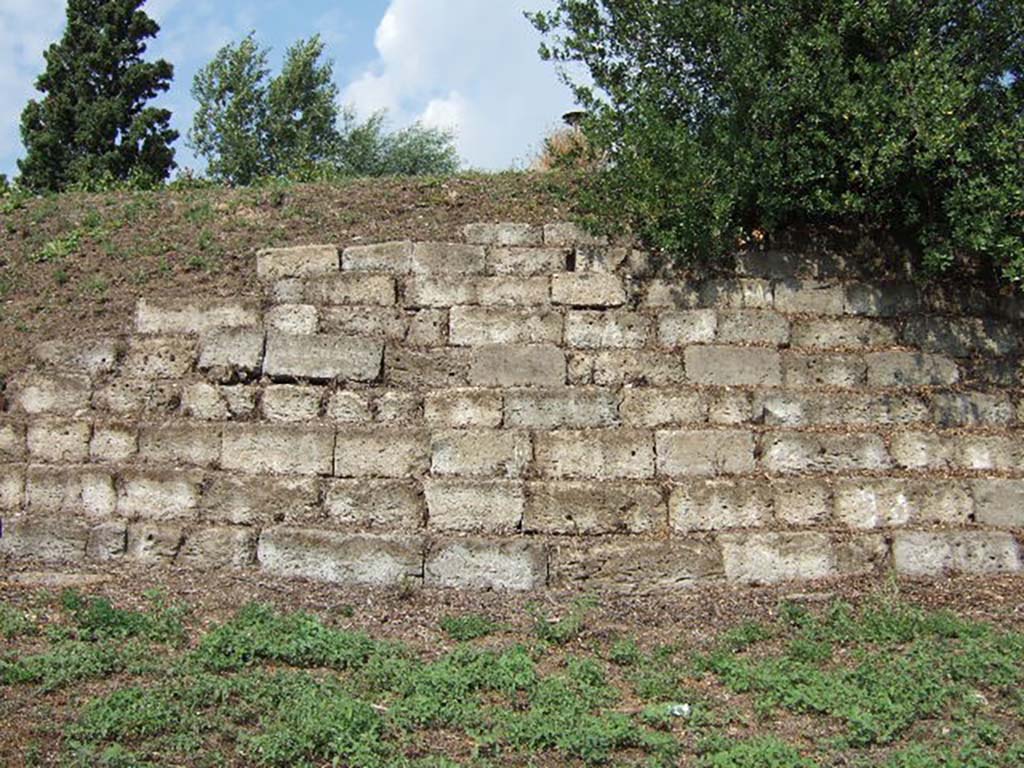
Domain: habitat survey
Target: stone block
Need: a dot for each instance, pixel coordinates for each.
(563, 407)
(506, 365)
(57, 394)
(234, 353)
(587, 289)
(395, 505)
(259, 500)
(800, 409)
(342, 558)
(40, 538)
(732, 407)
(278, 449)
(297, 261)
(731, 293)
(991, 452)
(479, 326)
(504, 234)
(292, 402)
(701, 452)
(654, 407)
(683, 327)
(427, 328)
(378, 323)
(921, 553)
(480, 453)
(92, 357)
(527, 261)
(159, 495)
(481, 564)
(910, 369)
(826, 369)
(404, 367)
(381, 452)
(352, 288)
(600, 330)
(463, 408)
(752, 326)
(922, 450)
(927, 450)
(154, 542)
(635, 566)
(12, 487)
(972, 409)
(180, 444)
(394, 257)
(842, 333)
(882, 299)
(587, 508)
(288, 290)
(713, 505)
(600, 454)
(597, 258)
(59, 442)
(12, 441)
(614, 367)
(488, 506)
(107, 541)
(133, 398)
(398, 407)
(322, 357)
(786, 452)
(113, 443)
(296, 319)
(564, 233)
(770, 558)
(733, 366)
(159, 357)
(438, 291)
(961, 336)
(209, 548)
(77, 492)
(806, 297)
(799, 502)
(182, 315)
(886, 503)
(999, 503)
(670, 294)
(448, 258)
(214, 403)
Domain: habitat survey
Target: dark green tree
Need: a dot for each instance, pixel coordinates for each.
(92, 124)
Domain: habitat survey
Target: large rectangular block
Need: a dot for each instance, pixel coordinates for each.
(567, 407)
(910, 369)
(379, 323)
(802, 296)
(113, 442)
(292, 402)
(448, 258)
(177, 444)
(503, 233)
(478, 326)
(461, 408)
(77, 492)
(159, 495)
(12, 441)
(209, 548)
(689, 453)
(635, 566)
(961, 336)
(600, 330)
(922, 553)
(440, 291)
(59, 442)
(999, 503)
(352, 288)
(293, 318)
(394, 257)
(191, 316)
(670, 294)
(589, 508)
(527, 261)
(798, 409)
(297, 261)
(885, 503)
(259, 500)
(489, 506)
(587, 289)
(769, 558)
(279, 449)
(928, 450)
(133, 398)
(154, 542)
(321, 357)
(504, 365)
(882, 299)
(12, 487)
(381, 452)
(598, 454)
(733, 366)
(800, 502)
(58, 539)
(971, 409)
(92, 357)
(713, 505)
(570, 233)
(159, 357)
(613, 367)
(57, 394)
(342, 558)
(732, 293)
(825, 369)
(482, 564)
(823, 452)
(656, 407)
(842, 333)
(231, 353)
(404, 367)
(395, 505)
(752, 326)
(684, 327)
(480, 453)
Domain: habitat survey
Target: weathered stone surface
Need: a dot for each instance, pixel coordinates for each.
(927, 450)
(732, 407)
(155, 542)
(298, 261)
(752, 326)
(503, 233)
(322, 357)
(634, 566)
(568, 233)
(107, 541)
(483, 564)
(379, 323)
(690, 453)
(527, 261)
(90, 356)
(53, 539)
(342, 558)
(218, 548)
(489, 506)
(159, 495)
(683, 327)
(138, 397)
(587, 289)
(159, 357)
(448, 258)
(801, 502)
(670, 294)
(961, 336)
(12, 487)
(711, 505)
(844, 333)
(972, 409)
(259, 501)
(394, 257)
(769, 558)
(210, 402)
(910, 369)
(999, 503)
(278, 449)
(59, 442)
(58, 394)
(113, 443)
(479, 326)
(441, 291)
(598, 330)
(292, 402)
(427, 328)
(733, 366)
(730, 293)
(587, 508)
(798, 409)
(884, 503)
(823, 452)
(381, 452)
(656, 407)
(830, 370)
(288, 290)
(599, 258)
(172, 316)
(375, 504)
(12, 441)
(503, 365)
(636, 366)
(76, 492)
(231, 353)
(882, 299)
(563, 407)
(461, 408)
(177, 444)
(398, 407)
(293, 318)
(921, 553)
(352, 288)
(601, 454)
(801, 296)
(480, 453)
(404, 367)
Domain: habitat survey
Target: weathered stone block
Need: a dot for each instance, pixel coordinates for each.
(971, 409)
(823, 452)
(138, 397)
(254, 500)
(587, 289)
(159, 496)
(595, 454)
(689, 453)
(568, 233)
(993, 452)
(295, 319)
(52, 540)
(599, 258)
(910, 369)
(999, 503)
(439, 291)
(73, 491)
(844, 333)
(504, 233)
(527, 261)
(712, 505)
(342, 558)
(59, 394)
(628, 565)
(920, 553)
(171, 316)
(231, 353)
(885, 503)
(683, 327)
(801, 296)
(800, 502)
(769, 558)
(352, 288)
(448, 258)
(882, 299)
(730, 293)
(298, 261)
(375, 504)
(90, 356)
(213, 403)
(155, 542)
(12, 441)
(398, 407)
(733, 366)
(798, 409)
(670, 294)
(504, 365)
(321, 357)
(159, 357)
(565, 407)
(921, 450)
(278, 449)
(494, 506)
(586, 508)
(599, 330)
(461, 408)
(830, 370)
(287, 291)
(178, 444)
(12, 487)
(218, 548)
(379, 323)
(961, 336)
(752, 326)
(394, 257)
(481, 564)
(478, 326)
(480, 453)
(732, 407)
(404, 367)
(655, 407)
(113, 443)
(381, 452)
(59, 442)
(292, 402)
(427, 328)
(107, 541)
(614, 367)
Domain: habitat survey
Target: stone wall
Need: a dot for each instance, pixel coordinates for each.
(530, 407)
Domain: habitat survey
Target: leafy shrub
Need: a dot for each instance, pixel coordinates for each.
(468, 627)
(719, 119)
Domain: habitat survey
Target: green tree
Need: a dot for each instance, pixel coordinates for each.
(93, 125)
(367, 149)
(712, 118)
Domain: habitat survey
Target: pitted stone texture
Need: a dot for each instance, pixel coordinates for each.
(798, 296)
(733, 366)
(74, 491)
(628, 565)
(341, 558)
(885, 503)
(568, 233)
(503, 233)
(448, 258)
(587, 508)
(600, 330)
(381, 452)
(712, 505)
(427, 328)
(601, 454)
(159, 495)
(920, 553)
(113, 443)
(844, 333)
(394, 257)
(798, 409)
(184, 316)
(292, 402)
(690, 453)
(730, 293)
(670, 294)
(180, 444)
(159, 357)
(155, 542)
(787, 452)
(733, 407)
(538, 365)
(12, 487)
(218, 403)
(475, 506)
(999, 503)
(910, 369)
(231, 353)
(480, 326)
(295, 319)
(587, 289)
(480, 453)
(375, 504)
(210, 548)
(12, 442)
(972, 409)
(563, 407)
(59, 442)
(633, 366)
(52, 539)
(427, 367)
(752, 326)
(136, 398)
(657, 407)
(527, 261)
(695, 326)
(322, 357)
(960, 337)
(298, 261)
(464, 408)
(830, 370)
(882, 299)
(90, 356)
(278, 449)
(378, 323)
(58, 394)
(352, 288)
(513, 564)
(508, 291)
(801, 502)
(769, 558)
(107, 541)
(926, 450)
(260, 500)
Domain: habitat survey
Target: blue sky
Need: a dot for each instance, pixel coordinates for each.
(469, 65)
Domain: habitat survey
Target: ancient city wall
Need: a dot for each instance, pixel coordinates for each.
(530, 407)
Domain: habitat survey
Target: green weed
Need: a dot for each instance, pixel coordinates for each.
(767, 752)
(563, 630)
(468, 627)
(58, 249)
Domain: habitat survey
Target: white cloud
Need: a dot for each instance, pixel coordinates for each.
(469, 65)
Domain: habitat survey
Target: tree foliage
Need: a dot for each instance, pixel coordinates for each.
(250, 125)
(92, 124)
(714, 118)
